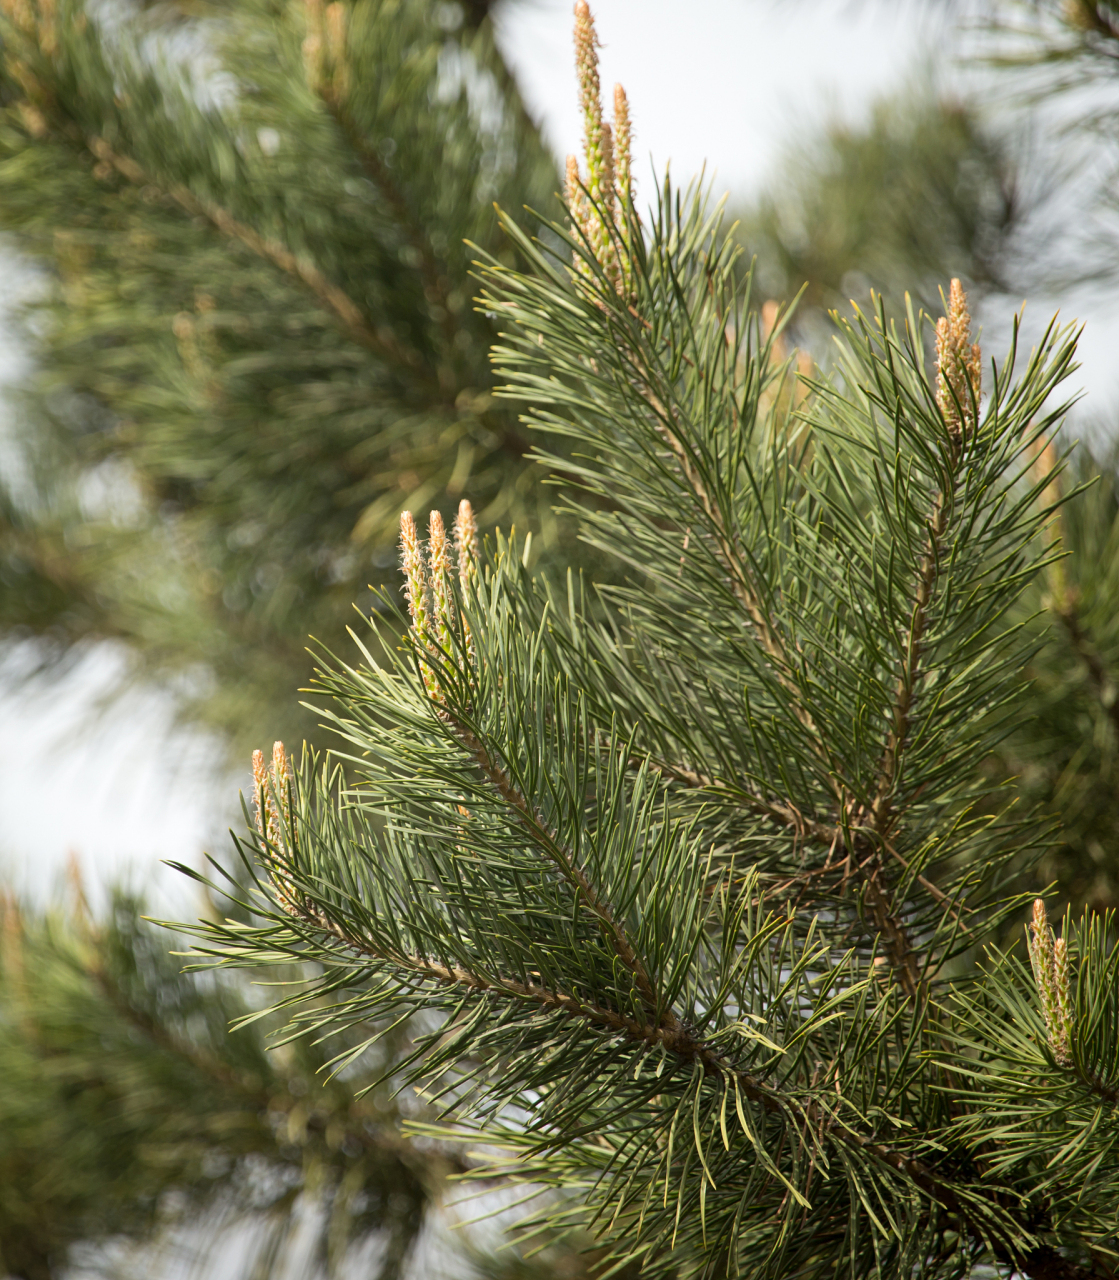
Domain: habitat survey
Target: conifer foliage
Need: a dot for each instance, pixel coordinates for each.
(130, 1111)
(685, 881)
(257, 322)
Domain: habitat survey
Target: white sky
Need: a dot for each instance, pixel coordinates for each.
(721, 81)
(726, 81)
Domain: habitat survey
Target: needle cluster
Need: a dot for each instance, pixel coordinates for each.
(682, 879)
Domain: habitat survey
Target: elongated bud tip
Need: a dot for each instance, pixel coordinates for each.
(623, 135)
(438, 550)
(571, 179)
(435, 528)
(466, 543)
(959, 363)
(281, 764)
(260, 785)
(410, 559)
(415, 576)
(586, 60)
(335, 15)
(439, 561)
(1060, 956)
(409, 542)
(466, 531)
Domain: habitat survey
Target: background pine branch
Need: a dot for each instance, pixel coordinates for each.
(262, 324)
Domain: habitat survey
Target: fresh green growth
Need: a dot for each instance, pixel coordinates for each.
(684, 882)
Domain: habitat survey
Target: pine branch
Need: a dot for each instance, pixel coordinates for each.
(1102, 682)
(332, 297)
(785, 813)
(539, 828)
(566, 862)
(674, 1037)
(742, 584)
(838, 837)
(830, 836)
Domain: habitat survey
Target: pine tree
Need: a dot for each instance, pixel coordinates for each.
(258, 326)
(168, 333)
(1065, 752)
(691, 884)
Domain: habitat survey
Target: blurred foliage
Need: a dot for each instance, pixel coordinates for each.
(258, 341)
(130, 1112)
(923, 192)
(1065, 759)
(127, 1107)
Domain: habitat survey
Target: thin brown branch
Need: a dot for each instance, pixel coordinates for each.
(882, 809)
(204, 1062)
(881, 812)
(435, 283)
(808, 1117)
(611, 927)
(938, 894)
(742, 585)
(899, 949)
(741, 582)
(332, 298)
(780, 811)
(826, 834)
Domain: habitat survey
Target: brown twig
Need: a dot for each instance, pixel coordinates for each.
(334, 299)
(881, 809)
(1042, 1263)
(781, 811)
(803, 828)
